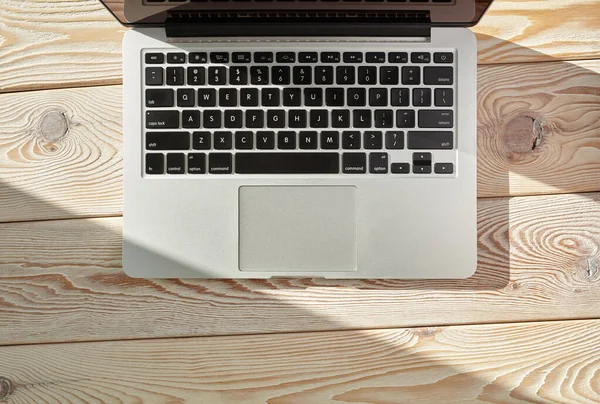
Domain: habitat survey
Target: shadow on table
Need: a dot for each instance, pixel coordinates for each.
(519, 133)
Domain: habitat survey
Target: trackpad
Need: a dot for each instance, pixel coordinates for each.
(297, 228)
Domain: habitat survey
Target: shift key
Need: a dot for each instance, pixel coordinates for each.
(162, 119)
(430, 140)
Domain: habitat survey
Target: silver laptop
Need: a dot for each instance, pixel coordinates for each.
(315, 138)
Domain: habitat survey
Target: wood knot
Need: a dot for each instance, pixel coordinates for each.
(6, 388)
(522, 135)
(53, 125)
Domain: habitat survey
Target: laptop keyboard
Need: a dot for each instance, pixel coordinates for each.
(299, 112)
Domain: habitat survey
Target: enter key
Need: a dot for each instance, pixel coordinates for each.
(431, 118)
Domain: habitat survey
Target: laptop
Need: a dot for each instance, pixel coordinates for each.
(299, 138)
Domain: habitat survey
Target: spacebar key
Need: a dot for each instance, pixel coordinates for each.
(287, 163)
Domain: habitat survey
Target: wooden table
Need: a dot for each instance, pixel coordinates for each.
(525, 327)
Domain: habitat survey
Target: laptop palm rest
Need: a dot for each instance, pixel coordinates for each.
(297, 228)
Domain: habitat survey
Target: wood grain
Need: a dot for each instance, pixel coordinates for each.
(84, 40)
(555, 362)
(47, 174)
(539, 259)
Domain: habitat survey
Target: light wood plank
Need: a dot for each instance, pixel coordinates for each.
(51, 44)
(539, 259)
(554, 362)
(45, 174)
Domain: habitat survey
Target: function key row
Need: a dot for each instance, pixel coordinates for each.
(300, 57)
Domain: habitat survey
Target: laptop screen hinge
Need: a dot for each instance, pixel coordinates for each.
(298, 24)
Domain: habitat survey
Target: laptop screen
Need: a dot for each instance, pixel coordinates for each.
(439, 12)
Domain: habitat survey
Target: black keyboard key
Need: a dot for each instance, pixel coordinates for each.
(353, 57)
(432, 140)
(378, 97)
(308, 57)
(422, 169)
(255, 118)
(420, 57)
(207, 97)
(334, 97)
(244, 140)
(357, 97)
(285, 57)
(378, 163)
(185, 97)
(175, 163)
(398, 57)
(313, 97)
(323, 75)
(287, 163)
(411, 75)
(154, 76)
(196, 76)
(330, 57)
(162, 119)
(233, 118)
(375, 57)
(361, 118)
(197, 57)
(228, 97)
(292, 97)
(444, 97)
(330, 140)
(270, 97)
(436, 118)
(177, 57)
(367, 75)
(167, 140)
(384, 118)
(400, 168)
(155, 58)
(388, 75)
(422, 159)
(212, 118)
(217, 76)
(259, 75)
(281, 75)
(340, 118)
(286, 140)
(443, 168)
(400, 97)
(438, 76)
(156, 98)
(297, 118)
(422, 97)
(220, 163)
(405, 118)
(249, 97)
(276, 118)
(345, 75)
(394, 140)
(265, 140)
(238, 75)
(319, 118)
(373, 140)
(240, 57)
(222, 140)
(354, 163)
(196, 163)
(443, 57)
(175, 76)
(307, 140)
(351, 139)
(263, 57)
(302, 75)
(201, 141)
(190, 119)
(219, 57)
(155, 163)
